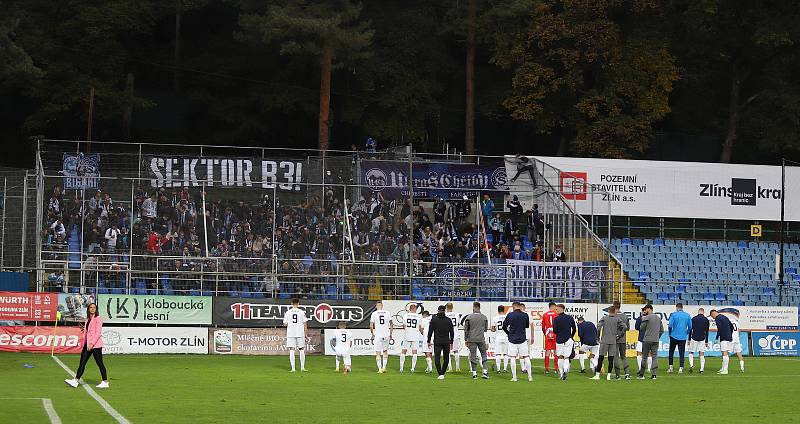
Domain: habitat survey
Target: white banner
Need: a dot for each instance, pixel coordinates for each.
(667, 189)
(155, 340)
(751, 318)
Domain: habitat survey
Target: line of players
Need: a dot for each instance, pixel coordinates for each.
(512, 344)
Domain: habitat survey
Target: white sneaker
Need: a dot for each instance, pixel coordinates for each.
(680, 370)
(303, 370)
(608, 377)
(72, 382)
(102, 385)
(441, 377)
(596, 377)
(721, 372)
(336, 370)
(530, 378)
(669, 370)
(514, 380)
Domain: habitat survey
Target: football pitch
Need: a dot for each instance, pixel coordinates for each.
(200, 389)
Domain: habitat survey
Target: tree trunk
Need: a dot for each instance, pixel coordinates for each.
(469, 127)
(326, 63)
(177, 53)
(563, 146)
(733, 116)
(128, 112)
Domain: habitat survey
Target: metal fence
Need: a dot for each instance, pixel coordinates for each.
(310, 225)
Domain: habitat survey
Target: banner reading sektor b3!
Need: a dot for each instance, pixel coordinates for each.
(147, 309)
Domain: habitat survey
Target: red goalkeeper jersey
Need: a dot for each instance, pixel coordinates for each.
(547, 325)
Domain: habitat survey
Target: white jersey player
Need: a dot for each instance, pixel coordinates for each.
(344, 341)
(412, 322)
(380, 324)
(455, 362)
(426, 348)
(500, 340)
(296, 324)
(736, 345)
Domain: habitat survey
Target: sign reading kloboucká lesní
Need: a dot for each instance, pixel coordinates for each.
(144, 309)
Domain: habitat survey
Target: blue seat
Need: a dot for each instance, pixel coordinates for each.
(663, 296)
(626, 240)
(658, 242)
(742, 245)
(638, 242)
(720, 296)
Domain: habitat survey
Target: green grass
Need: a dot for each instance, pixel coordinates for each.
(199, 389)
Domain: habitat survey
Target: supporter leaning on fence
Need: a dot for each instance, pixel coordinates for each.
(92, 346)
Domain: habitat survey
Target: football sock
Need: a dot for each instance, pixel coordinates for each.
(497, 361)
(402, 361)
(528, 367)
(702, 363)
(691, 361)
(302, 359)
(385, 360)
(430, 362)
(582, 360)
(638, 361)
(291, 358)
(546, 362)
(413, 361)
(741, 365)
(725, 360)
(337, 362)
(347, 361)
(513, 367)
(378, 362)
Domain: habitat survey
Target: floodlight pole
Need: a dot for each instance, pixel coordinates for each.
(783, 226)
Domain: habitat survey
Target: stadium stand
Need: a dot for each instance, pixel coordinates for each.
(737, 272)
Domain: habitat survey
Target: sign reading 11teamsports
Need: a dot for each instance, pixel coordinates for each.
(247, 312)
(284, 175)
(146, 309)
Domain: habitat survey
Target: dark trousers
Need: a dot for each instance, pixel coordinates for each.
(681, 344)
(649, 349)
(439, 350)
(621, 350)
(98, 357)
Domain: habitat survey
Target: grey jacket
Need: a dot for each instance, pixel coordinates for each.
(610, 327)
(621, 336)
(475, 325)
(652, 328)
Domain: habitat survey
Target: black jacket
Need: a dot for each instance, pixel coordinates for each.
(440, 329)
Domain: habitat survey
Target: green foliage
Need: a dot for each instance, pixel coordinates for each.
(594, 72)
(309, 27)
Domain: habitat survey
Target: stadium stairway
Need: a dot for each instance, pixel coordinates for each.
(630, 293)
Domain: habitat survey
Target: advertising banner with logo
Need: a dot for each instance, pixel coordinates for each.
(773, 343)
(750, 318)
(258, 341)
(245, 312)
(73, 306)
(669, 189)
(286, 175)
(155, 340)
(433, 180)
(554, 280)
(24, 306)
(40, 339)
(81, 171)
(154, 309)
(713, 349)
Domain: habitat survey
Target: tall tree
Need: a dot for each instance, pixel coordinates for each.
(749, 46)
(593, 71)
(328, 30)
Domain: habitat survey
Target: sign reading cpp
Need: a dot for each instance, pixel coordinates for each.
(776, 343)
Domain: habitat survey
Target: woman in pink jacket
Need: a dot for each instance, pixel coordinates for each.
(92, 346)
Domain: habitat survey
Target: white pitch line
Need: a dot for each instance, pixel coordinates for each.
(51, 412)
(111, 411)
(48, 408)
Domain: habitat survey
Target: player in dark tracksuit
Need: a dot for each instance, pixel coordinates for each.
(698, 339)
(440, 330)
